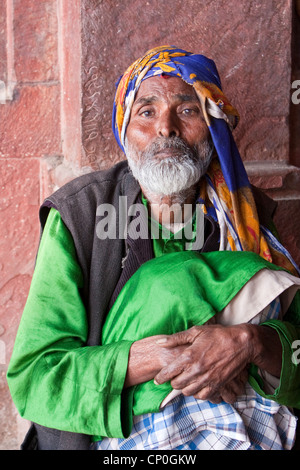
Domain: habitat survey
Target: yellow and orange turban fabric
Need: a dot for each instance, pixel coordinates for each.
(225, 193)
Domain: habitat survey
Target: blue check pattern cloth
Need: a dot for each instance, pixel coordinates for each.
(186, 423)
(252, 423)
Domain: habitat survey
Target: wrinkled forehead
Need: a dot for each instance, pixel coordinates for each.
(164, 88)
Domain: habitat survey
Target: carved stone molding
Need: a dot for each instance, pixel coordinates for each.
(279, 180)
(7, 72)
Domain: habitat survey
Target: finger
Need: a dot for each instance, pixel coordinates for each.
(228, 395)
(180, 338)
(172, 340)
(179, 370)
(238, 383)
(168, 373)
(234, 388)
(244, 376)
(207, 393)
(214, 398)
(189, 382)
(238, 386)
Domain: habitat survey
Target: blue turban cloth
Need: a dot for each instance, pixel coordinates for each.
(226, 193)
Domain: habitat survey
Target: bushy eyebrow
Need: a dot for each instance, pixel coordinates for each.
(185, 98)
(146, 100)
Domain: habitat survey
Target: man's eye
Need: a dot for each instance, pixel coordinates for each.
(146, 113)
(189, 111)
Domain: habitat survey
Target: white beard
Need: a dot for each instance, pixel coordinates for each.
(173, 175)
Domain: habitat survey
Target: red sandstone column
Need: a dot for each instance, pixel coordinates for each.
(30, 129)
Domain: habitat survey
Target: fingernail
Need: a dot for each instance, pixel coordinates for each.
(155, 383)
(161, 341)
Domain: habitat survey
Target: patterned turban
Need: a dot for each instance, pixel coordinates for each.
(225, 193)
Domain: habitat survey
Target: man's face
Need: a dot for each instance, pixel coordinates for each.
(167, 133)
(166, 107)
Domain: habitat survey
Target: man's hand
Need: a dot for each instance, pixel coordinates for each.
(213, 366)
(209, 362)
(160, 355)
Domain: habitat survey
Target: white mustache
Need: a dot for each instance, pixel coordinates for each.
(165, 143)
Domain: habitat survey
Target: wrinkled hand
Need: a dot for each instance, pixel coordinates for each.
(147, 357)
(212, 365)
(228, 392)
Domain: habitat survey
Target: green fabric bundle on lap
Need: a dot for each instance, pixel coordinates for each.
(172, 293)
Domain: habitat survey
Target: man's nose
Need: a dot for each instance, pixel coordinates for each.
(168, 125)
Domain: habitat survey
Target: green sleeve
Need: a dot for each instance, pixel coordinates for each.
(288, 391)
(54, 378)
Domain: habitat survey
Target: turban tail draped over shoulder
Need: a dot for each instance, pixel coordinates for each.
(225, 193)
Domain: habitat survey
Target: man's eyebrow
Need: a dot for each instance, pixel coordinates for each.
(185, 97)
(144, 100)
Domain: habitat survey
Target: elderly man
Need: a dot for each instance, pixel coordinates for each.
(87, 344)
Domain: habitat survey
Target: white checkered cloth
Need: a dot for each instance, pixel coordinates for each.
(186, 423)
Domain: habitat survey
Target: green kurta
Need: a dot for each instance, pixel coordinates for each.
(58, 382)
